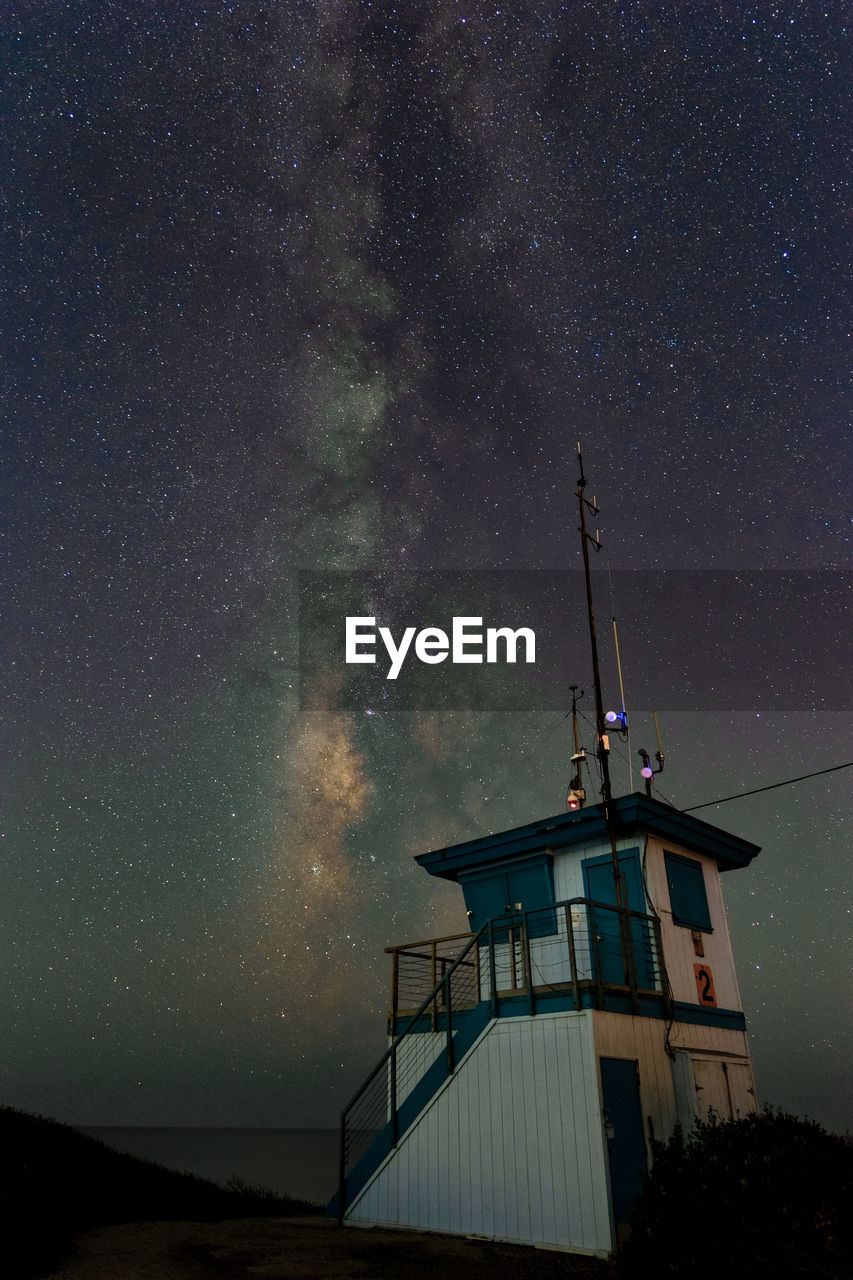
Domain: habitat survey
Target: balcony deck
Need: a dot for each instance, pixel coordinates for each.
(580, 949)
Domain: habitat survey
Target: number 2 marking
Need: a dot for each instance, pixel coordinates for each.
(705, 985)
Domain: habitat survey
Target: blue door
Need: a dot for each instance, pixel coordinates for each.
(623, 1120)
(600, 887)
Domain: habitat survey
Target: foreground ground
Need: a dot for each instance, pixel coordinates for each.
(310, 1248)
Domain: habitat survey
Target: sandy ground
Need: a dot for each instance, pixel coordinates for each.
(308, 1248)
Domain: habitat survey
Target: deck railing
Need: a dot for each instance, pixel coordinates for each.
(575, 945)
(583, 951)
(418, 968)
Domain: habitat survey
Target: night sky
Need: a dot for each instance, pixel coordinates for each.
(338, 286)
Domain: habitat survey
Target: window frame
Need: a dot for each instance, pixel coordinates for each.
(681, 916)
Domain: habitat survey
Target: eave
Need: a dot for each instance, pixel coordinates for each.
(633, 813)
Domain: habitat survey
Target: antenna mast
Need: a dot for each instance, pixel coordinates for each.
(624, 717)
(576, 799)
(602, 747)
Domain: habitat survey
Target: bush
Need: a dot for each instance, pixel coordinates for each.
(766, 1196)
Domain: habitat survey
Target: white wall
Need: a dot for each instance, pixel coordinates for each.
(678, 941)
(512, 1147)
(621, 1035)
(668, 1085)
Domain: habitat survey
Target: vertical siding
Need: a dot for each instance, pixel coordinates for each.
(712, 1092)
(685, 1091)
(668, 1087)
(511, 1147)
(618, 1035)
(696, 1037)
(742, 1086)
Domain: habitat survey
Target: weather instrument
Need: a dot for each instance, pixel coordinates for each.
(648, 771)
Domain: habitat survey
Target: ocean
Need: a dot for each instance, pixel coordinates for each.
(302, 1163)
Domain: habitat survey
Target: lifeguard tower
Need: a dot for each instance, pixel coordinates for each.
(592, 1007)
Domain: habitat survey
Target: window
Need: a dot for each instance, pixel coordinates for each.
(504, 892)
(687, 895)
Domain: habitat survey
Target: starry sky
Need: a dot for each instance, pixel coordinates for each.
(335, 287)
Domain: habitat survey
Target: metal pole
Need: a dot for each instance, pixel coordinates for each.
(602, 747)
(526, 966)
(395, 992)
(493, 976)
(596, 954)
(432, 986)
(573, 958)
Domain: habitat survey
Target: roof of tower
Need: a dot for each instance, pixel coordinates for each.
(585, 826)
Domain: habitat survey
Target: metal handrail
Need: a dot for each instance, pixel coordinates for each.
(427, 942)
(390, 1056)
(407, 954)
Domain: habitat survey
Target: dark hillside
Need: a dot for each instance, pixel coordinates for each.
(55, 1182)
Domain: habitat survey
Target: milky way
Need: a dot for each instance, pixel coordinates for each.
(338, 287)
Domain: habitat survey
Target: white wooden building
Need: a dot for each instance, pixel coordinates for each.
(532, 1061)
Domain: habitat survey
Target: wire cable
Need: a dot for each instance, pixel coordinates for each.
(770, 787)
(707, 804)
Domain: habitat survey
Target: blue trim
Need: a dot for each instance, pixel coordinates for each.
(586, 826)
(426, 1023)
(730, 1019)
(651, 1005)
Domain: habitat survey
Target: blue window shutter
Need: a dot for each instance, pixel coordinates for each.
(687, 895)
(492, 894)
(486, 899)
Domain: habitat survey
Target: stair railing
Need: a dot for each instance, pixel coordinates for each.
(379, 1095)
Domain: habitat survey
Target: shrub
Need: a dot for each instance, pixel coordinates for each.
(767, 1195)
